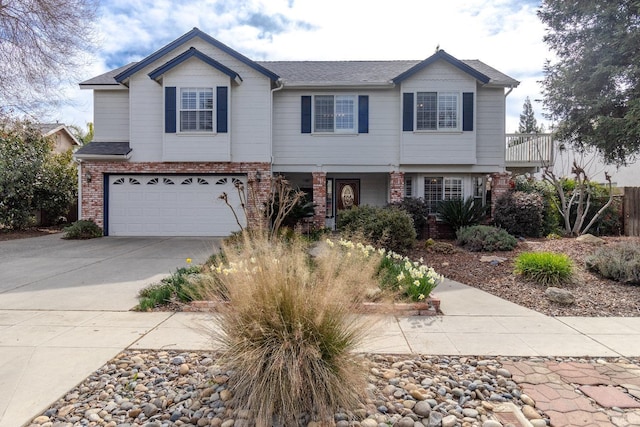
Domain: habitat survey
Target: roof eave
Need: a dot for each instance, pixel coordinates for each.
(106, 157)
(103, 86)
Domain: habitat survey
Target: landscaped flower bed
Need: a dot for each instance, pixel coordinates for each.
(393, 284)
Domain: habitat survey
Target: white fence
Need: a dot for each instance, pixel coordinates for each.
(527, 150)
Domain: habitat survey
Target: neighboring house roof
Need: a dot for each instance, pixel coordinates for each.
(193, 53)
(49, 129)
(104, 150)
(124, 75)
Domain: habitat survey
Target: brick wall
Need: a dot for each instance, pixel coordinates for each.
(500, 184)
(319, 198)
(396, 187)
(93, 192)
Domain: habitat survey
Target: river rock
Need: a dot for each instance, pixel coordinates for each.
(561, 296)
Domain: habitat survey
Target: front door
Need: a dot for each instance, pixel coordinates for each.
(347, 193)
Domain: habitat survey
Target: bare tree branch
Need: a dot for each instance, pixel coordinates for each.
(42, 43)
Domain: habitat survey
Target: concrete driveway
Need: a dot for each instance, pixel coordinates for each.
(49, 273)
(64, 310)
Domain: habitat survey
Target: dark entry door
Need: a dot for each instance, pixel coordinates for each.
(347, 193)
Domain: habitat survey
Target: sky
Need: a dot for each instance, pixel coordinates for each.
(505, 34)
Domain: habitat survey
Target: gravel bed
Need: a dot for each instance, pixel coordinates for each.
(170, 388)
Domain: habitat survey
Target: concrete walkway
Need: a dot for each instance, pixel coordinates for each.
(55, 331)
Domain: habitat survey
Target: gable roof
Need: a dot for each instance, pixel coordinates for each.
(305, 73)
(195, 32)
(49, 129)
(442, 55)
(193, 53)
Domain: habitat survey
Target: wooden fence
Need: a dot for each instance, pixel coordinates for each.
(631, 211)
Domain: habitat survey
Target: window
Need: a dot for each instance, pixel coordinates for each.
(437, 189)
(437, 110)
(479, 190)
(335, 113)
(408, 187)
(196, 110)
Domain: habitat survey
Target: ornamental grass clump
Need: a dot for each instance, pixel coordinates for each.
(288, 331)
(546, 268)
(620, 262)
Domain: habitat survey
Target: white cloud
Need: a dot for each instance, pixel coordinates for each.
(505, 34)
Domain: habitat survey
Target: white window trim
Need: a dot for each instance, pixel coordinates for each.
(457, 129)
(341, 132)
(444, 186)
(179, 110)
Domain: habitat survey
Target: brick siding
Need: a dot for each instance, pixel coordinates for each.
(93, 192)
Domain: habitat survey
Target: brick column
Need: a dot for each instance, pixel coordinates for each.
(257, 195)
(500, 184)
(319, 198)
(396, 189)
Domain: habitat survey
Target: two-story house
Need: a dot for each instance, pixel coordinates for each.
(188, 122)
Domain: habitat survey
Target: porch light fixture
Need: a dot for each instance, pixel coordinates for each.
(258, 176)
(88, 176)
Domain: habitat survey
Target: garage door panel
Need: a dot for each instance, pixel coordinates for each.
(170, 205)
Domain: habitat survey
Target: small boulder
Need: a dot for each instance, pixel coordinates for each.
(561, 296)
(590, 239)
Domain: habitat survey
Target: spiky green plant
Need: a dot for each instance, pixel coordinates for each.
(546, 268)
(461, 213)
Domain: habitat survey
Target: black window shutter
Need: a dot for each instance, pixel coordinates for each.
(222, 110)
(467, 111)
(170, 109)
(305, 118)
(407, 112)
(363, 114)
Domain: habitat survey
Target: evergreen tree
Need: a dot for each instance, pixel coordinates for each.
(593, 90)
(528, 122)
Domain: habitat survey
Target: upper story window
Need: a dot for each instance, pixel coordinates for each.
(335, 113)
(437, 111)
(196, 109)
(437, 189)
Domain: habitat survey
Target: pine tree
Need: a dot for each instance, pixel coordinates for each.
(528, 122)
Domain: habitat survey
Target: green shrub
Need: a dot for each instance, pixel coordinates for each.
(288, 332)
(484, 238)
(176, 287)
(439, 247)
(544, 267)
(82, 229)
(619, 262)
(388, 227)
(418, 209)
(32, 176)
(459, 213)
(551, 219)
(520, 213)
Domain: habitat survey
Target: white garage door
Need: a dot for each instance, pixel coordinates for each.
(172, 205)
